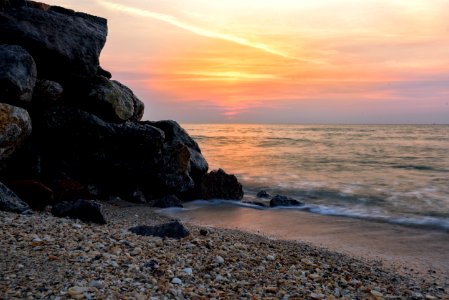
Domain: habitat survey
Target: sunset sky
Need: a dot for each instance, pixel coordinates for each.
(283, 61)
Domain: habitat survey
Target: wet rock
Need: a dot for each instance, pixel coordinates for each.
(219, 185)
(17, 75)
(47, 91)
(9, 201)
(263, 194)
(84, 210)
(33, 192)
(15, 127)
(168, 201)
(279, 200)
(64, 43)
(113, 102)
(171, 230)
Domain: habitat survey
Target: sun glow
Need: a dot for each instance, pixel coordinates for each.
(245, 60)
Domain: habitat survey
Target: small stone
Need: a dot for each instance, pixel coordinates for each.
(315, 296)
(96, 284)
(136, 251)
(76, 225)
(271, 289)
(76, 290)
(187, 271)
(219, 260)
(270, 257)
(430, 297)
(219, 278)
(203, 232)
(376, 294)
(176, 280)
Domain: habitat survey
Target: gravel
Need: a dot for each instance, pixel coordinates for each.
(44, 257)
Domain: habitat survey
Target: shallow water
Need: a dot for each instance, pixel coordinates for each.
(392, 173)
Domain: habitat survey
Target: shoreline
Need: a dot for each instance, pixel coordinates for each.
(407, 250)
(47, 257)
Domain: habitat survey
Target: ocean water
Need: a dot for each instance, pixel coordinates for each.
(388, 173)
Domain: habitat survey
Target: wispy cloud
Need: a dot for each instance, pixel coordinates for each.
(197, 30)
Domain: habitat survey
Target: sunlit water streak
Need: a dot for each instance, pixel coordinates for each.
(392, 173)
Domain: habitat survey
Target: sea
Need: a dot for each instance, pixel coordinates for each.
(386, 173)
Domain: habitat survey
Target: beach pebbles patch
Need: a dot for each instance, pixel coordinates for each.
(172, 229)
(84, 210)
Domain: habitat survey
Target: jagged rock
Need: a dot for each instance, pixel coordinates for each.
(168, 201)
(64, 44)
(263, 194)
(113, 102)
(33, 192)
(175, 135)
(279, 200)
(84, 210)
(219, 185)
(9, 201)
(173, 230)
(17, 75)
(47, 91)
(15, 127)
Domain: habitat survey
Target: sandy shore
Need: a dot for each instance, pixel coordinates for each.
(410, 251)
(46, 257)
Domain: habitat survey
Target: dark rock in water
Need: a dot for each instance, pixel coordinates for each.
(17, 75)
(279, 200)
(173, 230)
(113, 102)
(168, 201)
(47, 91)
(219, 185)
(33, 192)
(9, 201)
(64, 43)
(15, 127)
(263, 194)
(84, 210)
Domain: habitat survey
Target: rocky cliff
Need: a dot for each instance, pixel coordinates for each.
(67, 131)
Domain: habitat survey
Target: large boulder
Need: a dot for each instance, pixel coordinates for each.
(15, 127)
(84, 210)
(47, 92)
(176, 135)
(36, 194)
(113, 102)
(219, 185)
(9, 201)
(17, 75)
(64, 43)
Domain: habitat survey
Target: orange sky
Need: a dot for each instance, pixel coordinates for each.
(321, 61)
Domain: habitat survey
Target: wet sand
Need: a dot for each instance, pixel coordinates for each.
(420, 253)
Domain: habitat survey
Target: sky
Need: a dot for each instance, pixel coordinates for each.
(283, 61)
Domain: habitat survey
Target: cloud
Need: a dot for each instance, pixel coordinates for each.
(197, 30)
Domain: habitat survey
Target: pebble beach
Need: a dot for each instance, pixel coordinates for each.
(44, 257)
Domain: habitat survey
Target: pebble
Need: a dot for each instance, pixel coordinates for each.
(76, 290)
(316, 296)
(136, 251)
(219, 259)
(376, 294)
(176, 280)
(187, 271)
(270, 257)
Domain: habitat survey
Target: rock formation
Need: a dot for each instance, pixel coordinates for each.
(65, 125)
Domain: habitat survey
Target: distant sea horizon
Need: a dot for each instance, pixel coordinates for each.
(389, 172)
